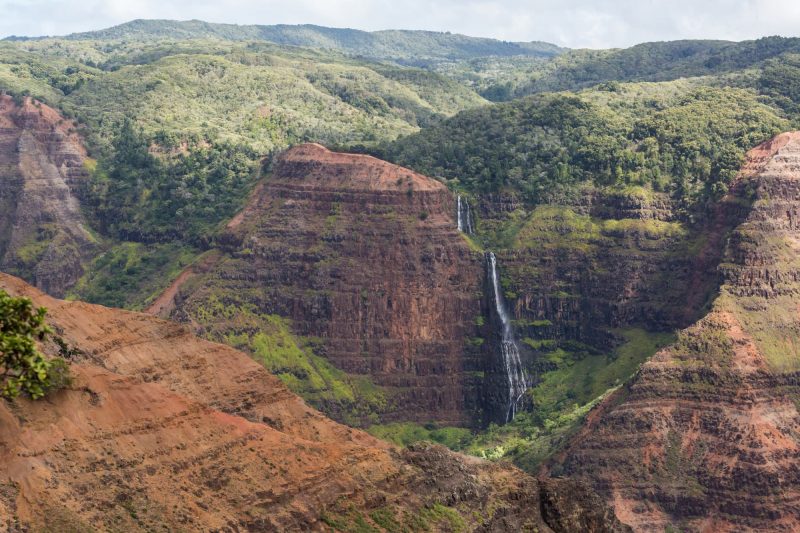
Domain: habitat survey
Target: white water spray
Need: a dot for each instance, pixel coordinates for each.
(515, 374)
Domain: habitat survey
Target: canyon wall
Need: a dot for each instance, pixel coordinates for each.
(707, 435)
(364, 259)
(606, 261)
(43, 236)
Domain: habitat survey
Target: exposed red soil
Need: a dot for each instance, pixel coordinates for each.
(162, 430)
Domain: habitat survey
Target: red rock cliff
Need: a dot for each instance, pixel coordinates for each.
(365, 256)
(42, 232)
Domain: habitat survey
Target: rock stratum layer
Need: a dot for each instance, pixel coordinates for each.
(42, 231)
(707, 435)
(160, 429)
(364, 257)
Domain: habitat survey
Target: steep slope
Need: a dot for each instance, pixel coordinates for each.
(42, 232)
(707, 435)
(161, 429)
(364, 257)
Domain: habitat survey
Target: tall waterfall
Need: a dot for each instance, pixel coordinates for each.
(465, 223)
(515, 374)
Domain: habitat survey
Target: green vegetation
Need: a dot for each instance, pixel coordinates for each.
(406, 433)
(232, 319)
(780, 79)
(579, 374)
(433, 517)
(394, 45)
(137, 196)
(24, 370)
(674, 137)
(256, 94)
(131, 275)
(660, 61)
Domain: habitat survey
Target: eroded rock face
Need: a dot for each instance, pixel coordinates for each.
(364, 256)
(608, 261)
(42, 233)
(160, 429)
(707, 435)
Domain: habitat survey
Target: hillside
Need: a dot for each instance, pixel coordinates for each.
(263, 95)
(161, 429)
(684, 138)
(654, 62)
(403, 46)
(175, 131)
(706, 434)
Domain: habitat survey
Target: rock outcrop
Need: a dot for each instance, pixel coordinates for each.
(162, 430)
(365, 257)
(706, 437)
(42, 232)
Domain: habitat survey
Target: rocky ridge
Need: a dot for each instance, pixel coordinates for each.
(162, 429)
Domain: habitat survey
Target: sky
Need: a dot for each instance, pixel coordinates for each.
(571, 23)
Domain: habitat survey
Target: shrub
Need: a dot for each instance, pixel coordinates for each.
(23, 369)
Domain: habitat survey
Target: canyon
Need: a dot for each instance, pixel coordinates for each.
(162, 429)
(363, 286)
(705, 437)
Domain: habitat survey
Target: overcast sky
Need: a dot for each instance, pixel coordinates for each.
(573, 23)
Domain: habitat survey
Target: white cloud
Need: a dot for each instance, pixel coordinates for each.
(575, 23)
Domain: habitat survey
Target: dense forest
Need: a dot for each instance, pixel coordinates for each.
(674, 137)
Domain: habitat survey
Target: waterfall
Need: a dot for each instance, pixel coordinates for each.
(465, 223)
(515, 374)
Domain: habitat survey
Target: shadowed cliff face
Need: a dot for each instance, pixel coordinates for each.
(364, 257)
(163, 430)
(707, 435)
(42, 232)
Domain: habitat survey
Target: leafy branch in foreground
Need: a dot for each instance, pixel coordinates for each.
(23, 369)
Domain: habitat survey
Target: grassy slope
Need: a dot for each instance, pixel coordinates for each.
(235, 320)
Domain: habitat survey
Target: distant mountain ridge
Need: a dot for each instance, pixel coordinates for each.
(399, 45)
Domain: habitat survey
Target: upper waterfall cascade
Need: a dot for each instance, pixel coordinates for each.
(464, 216)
